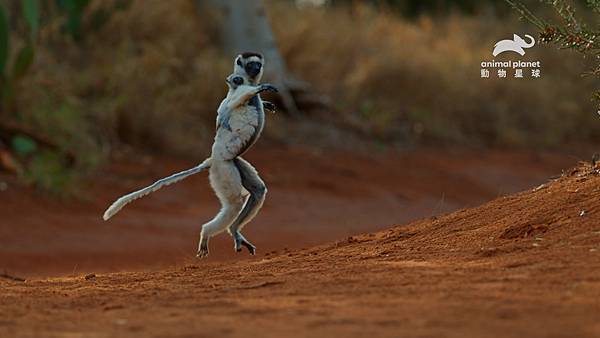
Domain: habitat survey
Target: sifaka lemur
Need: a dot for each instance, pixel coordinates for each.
(240, 121)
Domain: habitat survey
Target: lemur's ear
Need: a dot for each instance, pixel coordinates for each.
(238, 62)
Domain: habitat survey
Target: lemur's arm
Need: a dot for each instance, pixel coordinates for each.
(243, 93)
(240, 96)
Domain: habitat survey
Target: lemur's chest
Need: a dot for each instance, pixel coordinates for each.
(246, 115)
(246, 124)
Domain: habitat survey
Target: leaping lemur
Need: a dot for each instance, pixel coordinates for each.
(231, 177)
(240, 121)
(249, 66)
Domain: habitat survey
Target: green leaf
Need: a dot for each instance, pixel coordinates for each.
(73, 25)
(31, 12)
(4, 39)
(23, 145)
(23, 61)
(74, 10)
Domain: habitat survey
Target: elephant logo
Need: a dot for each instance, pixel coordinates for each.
(517, 45)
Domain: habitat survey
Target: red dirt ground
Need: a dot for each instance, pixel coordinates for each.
(525, 265)
(312, 199)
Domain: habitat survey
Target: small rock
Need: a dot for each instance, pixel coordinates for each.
(90, 276)
(582, 213)
(121, 321)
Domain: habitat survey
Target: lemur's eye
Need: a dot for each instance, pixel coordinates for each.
(238, 80)
(239, 62)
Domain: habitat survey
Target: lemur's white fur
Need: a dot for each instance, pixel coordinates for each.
(242, 121)
(231, 177)
(123, 201)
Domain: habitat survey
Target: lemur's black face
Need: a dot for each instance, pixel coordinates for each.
(238, 81)
(253, 68)
(234, 81)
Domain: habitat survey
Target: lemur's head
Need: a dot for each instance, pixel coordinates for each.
(249, 64)
(234, 80)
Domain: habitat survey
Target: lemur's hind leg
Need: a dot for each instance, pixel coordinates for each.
(258, 190)
(226, 182)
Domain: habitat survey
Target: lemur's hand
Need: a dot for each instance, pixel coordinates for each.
(224, 121)
(267, 87)
(269, 106)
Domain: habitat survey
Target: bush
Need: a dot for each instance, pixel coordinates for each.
(151, 76)
(420, 81)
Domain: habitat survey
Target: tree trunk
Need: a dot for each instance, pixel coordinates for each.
(245, 27)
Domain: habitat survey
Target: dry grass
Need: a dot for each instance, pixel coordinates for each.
(153, 77)
(420, 81)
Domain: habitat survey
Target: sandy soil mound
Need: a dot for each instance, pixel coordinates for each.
(526, 265)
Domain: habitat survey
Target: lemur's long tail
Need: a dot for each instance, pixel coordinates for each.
(123, 201)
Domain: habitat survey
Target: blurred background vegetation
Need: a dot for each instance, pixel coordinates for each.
(86, 81)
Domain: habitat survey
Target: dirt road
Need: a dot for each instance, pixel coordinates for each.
(526, 265)
(314, 198)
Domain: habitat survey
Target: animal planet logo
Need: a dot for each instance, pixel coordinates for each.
(517, 45)
(517, 69)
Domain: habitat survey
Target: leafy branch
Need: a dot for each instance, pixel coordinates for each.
(570, 33)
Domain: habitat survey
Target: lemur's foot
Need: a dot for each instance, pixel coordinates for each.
(202, 253)
(251, 248)
(237, 245)
(239, 240)
(202, 250)
(267, 87)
